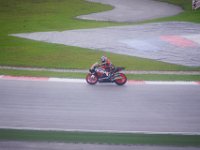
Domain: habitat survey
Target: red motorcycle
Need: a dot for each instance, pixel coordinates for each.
(97, 74)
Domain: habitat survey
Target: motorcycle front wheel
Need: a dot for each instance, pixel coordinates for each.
(91, 79)
(122, 80)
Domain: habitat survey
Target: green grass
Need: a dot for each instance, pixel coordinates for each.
(147, 77)
(28, 53)
(100, 138)
(42, 73)
(50, 15)
(45, 15)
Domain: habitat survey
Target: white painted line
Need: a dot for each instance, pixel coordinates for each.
(133, 82)
(100, 131)
(172, 82)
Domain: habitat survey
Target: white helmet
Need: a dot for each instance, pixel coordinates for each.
(103, 59)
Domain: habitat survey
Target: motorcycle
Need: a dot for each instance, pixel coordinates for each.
(97, 74)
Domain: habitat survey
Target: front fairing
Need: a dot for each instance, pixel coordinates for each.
(94, 65)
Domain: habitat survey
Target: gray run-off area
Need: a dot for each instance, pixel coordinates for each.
(18, 145)
(171, 42)
(133, 10)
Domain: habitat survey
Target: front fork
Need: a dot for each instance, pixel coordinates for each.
(92, 76)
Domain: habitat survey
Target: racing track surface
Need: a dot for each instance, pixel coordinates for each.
(63, 146)
(171, 42)
(127, 10)
(103, 107)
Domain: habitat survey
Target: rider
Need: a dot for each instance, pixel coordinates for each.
(106, 65)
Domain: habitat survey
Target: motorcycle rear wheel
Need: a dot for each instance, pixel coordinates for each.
(122, 80)
(91, 79)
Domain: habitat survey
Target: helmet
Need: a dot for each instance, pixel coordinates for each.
(103, 59)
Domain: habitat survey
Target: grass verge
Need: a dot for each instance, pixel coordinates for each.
(39, 54)
(147, 77)
(100, 138)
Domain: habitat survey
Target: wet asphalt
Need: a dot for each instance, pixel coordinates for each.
(19, 145)
(132, 10)
(104, 107)
(171, 42)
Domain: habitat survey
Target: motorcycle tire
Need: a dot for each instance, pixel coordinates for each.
(121, 81)
(91, 79)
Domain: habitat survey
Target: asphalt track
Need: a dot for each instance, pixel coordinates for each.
(133, 10)
(171, 42)
(17, 145)
(105, 107)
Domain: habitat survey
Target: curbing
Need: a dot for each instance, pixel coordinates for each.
(70, 80)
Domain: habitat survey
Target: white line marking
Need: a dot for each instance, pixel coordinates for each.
(171, 82)
(132, 82)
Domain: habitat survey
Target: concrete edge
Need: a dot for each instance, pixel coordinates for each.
(70, 80)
